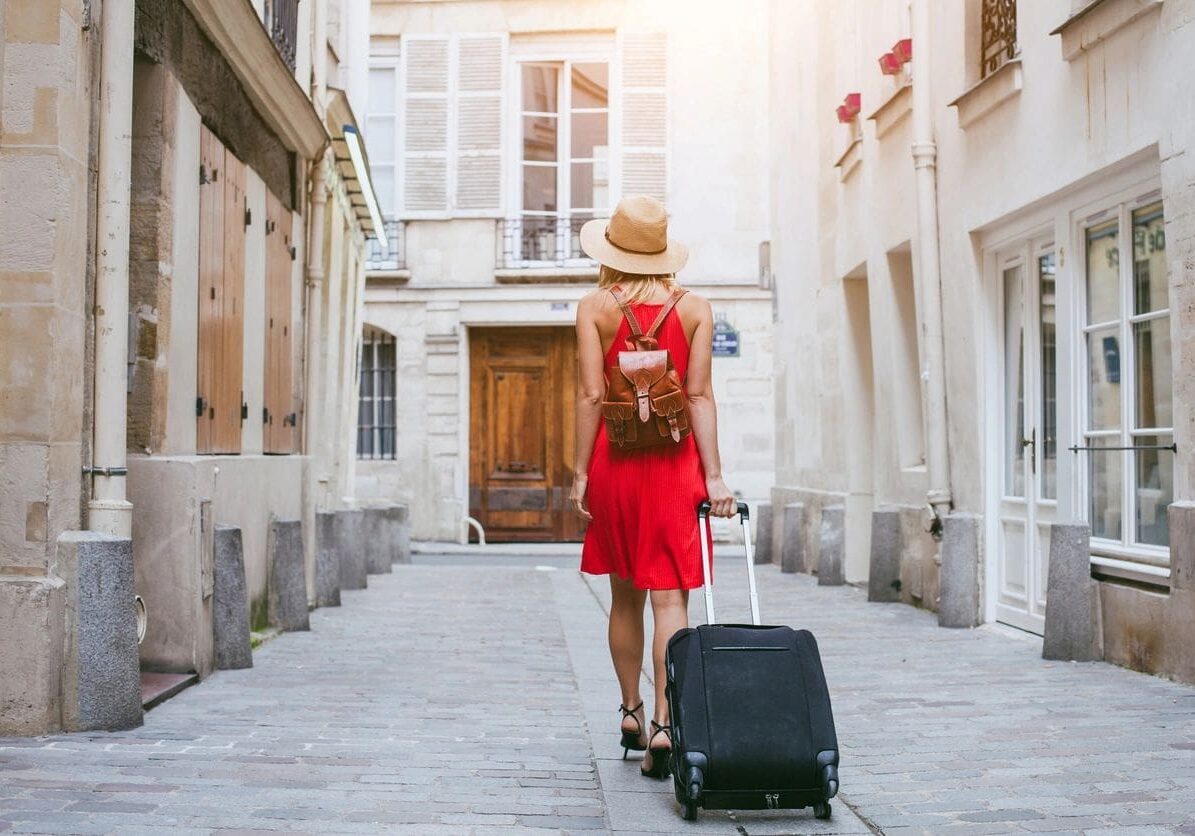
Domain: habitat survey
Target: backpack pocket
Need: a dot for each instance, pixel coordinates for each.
(672, 417)
(621, 422)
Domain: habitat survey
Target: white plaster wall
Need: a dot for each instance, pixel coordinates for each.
(182, 352)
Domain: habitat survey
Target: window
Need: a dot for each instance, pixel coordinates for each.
(998, 35)
(219, 397)
(381, 132)
(1129, 433)
(376, 424)
(565, 154)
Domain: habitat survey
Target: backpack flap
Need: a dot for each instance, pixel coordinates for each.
(642, 369)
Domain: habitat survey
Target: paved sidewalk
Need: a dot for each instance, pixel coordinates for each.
(458, 699)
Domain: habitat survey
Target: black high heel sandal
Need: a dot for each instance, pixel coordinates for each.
(660, 755)
(632, 739)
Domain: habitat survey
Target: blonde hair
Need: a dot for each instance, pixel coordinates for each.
(636, 287)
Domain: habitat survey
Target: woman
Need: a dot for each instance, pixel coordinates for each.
(641, 504)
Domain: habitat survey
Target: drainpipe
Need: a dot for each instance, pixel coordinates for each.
(315, 292)
(925, 154)
(109, 511)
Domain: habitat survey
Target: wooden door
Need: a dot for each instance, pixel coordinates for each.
(279, 415)
(523, 385)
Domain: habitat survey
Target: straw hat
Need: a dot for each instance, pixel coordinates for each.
(635, 239)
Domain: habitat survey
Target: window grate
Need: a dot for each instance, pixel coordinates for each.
(376, 419)
(998, 42)
(542, 241)
(282, 21)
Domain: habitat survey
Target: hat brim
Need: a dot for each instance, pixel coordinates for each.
(595, 245)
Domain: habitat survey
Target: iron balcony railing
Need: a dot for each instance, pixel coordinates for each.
(998, 35)
(282, 22)
(393, 256)
(532, 241)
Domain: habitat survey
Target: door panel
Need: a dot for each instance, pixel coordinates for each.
(522, 392)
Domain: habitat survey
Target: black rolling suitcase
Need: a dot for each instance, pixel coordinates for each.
(751, 721)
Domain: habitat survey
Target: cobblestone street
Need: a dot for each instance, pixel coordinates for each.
(451, 698)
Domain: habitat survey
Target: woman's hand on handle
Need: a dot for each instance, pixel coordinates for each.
(722, 502)
(577, 496)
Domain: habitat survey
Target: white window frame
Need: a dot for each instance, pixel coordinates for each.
(565, 52)
(386, 56)
(1124, 557)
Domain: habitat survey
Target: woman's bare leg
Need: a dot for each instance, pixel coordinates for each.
(670, 610)
(626, 645)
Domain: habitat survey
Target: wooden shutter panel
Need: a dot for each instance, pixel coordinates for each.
(227, 429)
(278, 415)
(645, 114)
(211, 280)
(480, 61)
(425, 133)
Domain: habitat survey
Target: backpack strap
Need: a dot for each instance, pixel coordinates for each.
(636, 331)
(668, 306)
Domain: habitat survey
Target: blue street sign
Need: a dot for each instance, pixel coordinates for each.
(726, 339)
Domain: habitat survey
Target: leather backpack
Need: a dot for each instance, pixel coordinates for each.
(645, 403)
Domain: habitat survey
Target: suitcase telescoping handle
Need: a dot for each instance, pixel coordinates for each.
(703, 515)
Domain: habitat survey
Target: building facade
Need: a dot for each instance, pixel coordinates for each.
(990, 246)
(186, 206)
(495, 130)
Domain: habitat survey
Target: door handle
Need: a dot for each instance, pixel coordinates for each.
(1031, 441)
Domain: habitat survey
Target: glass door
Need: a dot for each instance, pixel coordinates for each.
(1029, 438)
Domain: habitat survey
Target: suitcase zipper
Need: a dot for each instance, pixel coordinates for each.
(749, 647)
(772, 799)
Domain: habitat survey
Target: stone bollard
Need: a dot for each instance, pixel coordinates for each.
(350, 546)
(378, 548)
(1072, 599)
(958, 580)
(763, 533)
(399, 526)
(883, 578)
(327, 561)
(101, 667)
(831, 551)
(288, 576)
(230, 601)
(792, 545)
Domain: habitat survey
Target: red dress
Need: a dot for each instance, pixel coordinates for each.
(644, 502)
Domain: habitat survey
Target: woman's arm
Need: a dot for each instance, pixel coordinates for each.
(591, 386)
(703, 412)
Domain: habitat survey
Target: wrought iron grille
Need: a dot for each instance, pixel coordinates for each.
(376, 417)
(393, 256)
(998, 41)
(282, 21)
(539, 241)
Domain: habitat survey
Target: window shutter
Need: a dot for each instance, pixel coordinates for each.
(480, 60)
(425, 133)
(645, 114)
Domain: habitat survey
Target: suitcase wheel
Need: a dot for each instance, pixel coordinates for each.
(821, 810)
(690, 811)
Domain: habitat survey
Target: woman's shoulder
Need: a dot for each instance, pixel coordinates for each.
(694, 304)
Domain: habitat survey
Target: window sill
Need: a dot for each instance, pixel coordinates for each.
(546, 275)
(988, 94)
(850, 159)
(387, 277)
(894, 109)
(1098, 21)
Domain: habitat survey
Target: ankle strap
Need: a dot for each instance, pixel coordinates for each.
(626, 710)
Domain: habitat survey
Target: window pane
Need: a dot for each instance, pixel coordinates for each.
(387, 443)
(366, 377)
(582, 185)
(1103, 376)
(539, 138)
(576, 221)
(539, 188)
(364, 450)
(1151, 343)
(540, 83)
(589, 135)
(1155, 490)
(386, 355)
(379, 139)
(1049, 378)
(1103, 274)
(382, 177)
(1104, 470)
(1014, 383)
(382, 90)
(1150, 283)
(537, 239)
(591, 85)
